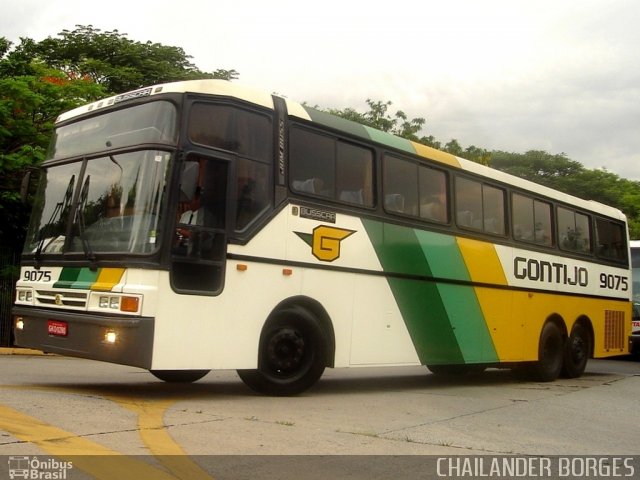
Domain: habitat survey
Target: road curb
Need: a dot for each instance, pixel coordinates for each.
(19, 351)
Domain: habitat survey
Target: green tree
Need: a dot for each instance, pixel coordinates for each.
(114, 61)
(29, 104)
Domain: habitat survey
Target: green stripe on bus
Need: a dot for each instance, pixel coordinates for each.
(361, 131)
(445, 320)
(85, 279)
(461, 303)
(420, 303)
(67, 277)
(76, 278)
(390, 140)
(337, 123)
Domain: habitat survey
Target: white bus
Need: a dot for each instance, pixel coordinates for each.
(202, 225)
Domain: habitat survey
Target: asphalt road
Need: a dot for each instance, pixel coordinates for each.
(55, 407)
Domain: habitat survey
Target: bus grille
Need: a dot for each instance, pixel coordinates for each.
(51, 298)
(614, 330)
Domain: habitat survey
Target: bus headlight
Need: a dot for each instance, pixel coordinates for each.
(116, 302)
(24, 296)
(110, 337)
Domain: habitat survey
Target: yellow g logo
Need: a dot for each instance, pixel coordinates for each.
(325, 241)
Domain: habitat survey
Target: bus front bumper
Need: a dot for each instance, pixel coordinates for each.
(123, 340)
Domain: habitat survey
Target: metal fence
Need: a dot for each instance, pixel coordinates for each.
(8, 277)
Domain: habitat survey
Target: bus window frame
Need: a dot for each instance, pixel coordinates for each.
(235, 235)
(332, 199)
(506, 204)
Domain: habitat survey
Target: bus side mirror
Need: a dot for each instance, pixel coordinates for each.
(189, 181)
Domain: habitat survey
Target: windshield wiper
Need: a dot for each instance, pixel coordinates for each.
(80, 222)
(56, 214)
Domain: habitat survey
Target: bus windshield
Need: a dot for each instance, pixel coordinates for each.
(117, 208)
(153, 122)
(107, 198)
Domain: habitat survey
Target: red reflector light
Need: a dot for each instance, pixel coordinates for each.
(59, 329)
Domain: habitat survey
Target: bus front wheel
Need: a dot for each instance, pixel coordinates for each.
(291, 356)
(179, 376)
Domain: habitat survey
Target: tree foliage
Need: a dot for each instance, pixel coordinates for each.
(110, 59)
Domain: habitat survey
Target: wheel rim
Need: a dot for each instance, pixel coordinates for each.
(578, 350)
(286, 352)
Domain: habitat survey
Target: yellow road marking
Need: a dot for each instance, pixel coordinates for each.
(154, 434)
(86, 455)
(151, 429)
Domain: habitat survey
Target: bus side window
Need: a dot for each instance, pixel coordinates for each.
(610, 240)
(312, 163)
(480, 207)
(433, 194)
(354, 174)
(468, 203)
(253, 195)
(574, 231)
(400, 180)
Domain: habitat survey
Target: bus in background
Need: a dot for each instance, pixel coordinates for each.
(202, 225)
(634, 339)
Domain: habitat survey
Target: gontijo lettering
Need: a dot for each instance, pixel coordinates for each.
(549, 272)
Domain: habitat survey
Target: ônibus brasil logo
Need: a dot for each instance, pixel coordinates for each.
(325, 241)
(34, 468)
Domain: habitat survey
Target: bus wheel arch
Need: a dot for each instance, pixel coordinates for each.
(294, 349)
(578, 348)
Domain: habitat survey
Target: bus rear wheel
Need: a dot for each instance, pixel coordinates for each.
(550, 354)
(291, 356)
(576, 352)
(179, 376)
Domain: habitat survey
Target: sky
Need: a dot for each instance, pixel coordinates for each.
(516, 75)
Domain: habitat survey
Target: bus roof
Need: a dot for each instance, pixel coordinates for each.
(294, 109)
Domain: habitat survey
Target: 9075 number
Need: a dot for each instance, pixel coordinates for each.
(614, 282)
(37, 275)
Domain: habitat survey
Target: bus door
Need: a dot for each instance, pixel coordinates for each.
(199, 244)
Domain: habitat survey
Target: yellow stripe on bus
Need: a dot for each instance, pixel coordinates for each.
(108, 278)
(437, 155)
(505, 328)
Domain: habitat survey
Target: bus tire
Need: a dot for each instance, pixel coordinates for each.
(576, 352)
(179, 376)
(291, 355)
(550, 354)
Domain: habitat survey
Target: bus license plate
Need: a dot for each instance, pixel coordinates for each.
(59, 329)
